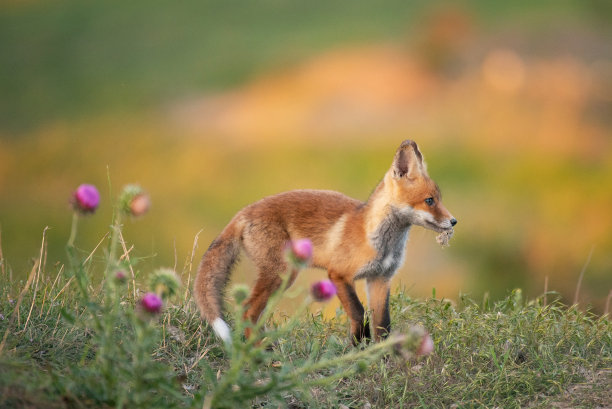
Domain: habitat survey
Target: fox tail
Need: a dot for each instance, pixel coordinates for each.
(213, 275)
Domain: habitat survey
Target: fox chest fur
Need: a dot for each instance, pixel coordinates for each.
(362, 253)
(389, 242)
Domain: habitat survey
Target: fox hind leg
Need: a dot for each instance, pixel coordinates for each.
(270, 262)
(255, 304)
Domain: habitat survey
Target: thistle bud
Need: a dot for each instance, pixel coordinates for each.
(139, 205)
(240, 293)
(427, 346)
(164, 282)
(416, 341)
(134, 201)
(120, 277)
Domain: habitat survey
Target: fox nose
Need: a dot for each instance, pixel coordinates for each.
(453, 222)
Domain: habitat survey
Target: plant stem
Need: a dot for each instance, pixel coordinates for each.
(370, 352)
(73, 229)
(112, 254)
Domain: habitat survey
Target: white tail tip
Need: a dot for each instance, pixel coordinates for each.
(222, 330)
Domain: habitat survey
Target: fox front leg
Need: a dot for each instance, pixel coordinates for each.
(360, 328)
(378, 299)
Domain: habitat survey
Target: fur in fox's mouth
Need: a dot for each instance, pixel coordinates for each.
(443, 238)
(439, 228)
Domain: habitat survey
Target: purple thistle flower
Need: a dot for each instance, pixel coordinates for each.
(152, 303)
(323, 290)
(86, 198)
(302, 249)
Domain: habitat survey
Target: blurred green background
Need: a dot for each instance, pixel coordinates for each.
(211, 105)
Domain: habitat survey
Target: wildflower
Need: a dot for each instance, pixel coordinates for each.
(120, 277)
(164, 282)
(86, 199)
(427, 345)
(416, 341)
(323, 290)
(302, 249)
(152, 303)
(299, 252)
(140, 204)
(134, 200)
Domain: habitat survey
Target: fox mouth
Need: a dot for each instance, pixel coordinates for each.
(437, 228)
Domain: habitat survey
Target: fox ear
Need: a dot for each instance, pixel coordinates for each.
(408, 161)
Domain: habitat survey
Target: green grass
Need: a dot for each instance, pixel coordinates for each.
(510, 353)
(76, 335)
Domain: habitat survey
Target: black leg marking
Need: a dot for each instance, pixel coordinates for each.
(385, 325)
(357, 314)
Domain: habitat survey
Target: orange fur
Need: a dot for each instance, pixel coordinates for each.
(351, 240)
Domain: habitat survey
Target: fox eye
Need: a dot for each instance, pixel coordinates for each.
(429, 201)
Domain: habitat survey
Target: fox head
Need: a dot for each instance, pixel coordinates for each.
(413, 192)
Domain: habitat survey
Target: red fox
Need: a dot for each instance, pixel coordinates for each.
(351, 239)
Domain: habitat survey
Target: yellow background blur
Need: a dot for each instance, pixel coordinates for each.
(213, 105)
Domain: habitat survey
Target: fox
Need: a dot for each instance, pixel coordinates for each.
(351, 239)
